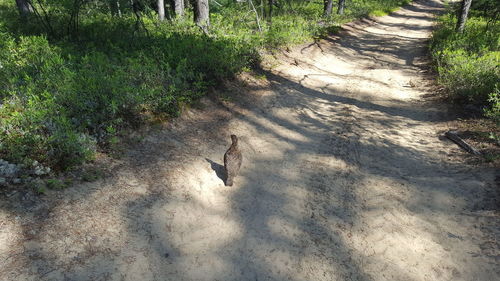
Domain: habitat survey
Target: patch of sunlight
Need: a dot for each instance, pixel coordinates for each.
(204, 186)
(200, 220)
(393, 233)
(320, 67)
(193, 229)
(318, 80)
(271, 124)
(324, 161)
(8, 234)
(284, 228)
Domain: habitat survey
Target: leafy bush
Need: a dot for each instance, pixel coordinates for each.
(470, 78)
(493, 111)
(33, 126)
(68, 88)
(468, 62)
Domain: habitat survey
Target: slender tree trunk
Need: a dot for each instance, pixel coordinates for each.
(270, 15)
(118, 8)
(256, 15)
(340, 10)
(137, 8)
(462, 17)
(114, 6)
(202, 14)
(179, 8)
(24, 8)
(327, 9)
(262, 9)
(161, 10)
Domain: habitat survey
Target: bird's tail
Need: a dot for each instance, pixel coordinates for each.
(229, 181)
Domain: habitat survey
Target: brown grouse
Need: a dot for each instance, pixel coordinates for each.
(232, 161)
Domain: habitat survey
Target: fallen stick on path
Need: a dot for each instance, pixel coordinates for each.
(452, 135)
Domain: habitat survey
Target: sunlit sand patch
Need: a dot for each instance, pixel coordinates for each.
(194, 229)
(404, 227)
(324, 161)
(284, 228)
(205, 187)
(305, 68)
(6, 237)
(401, 249)
(320, 80)
(401, 237)
(274, 127)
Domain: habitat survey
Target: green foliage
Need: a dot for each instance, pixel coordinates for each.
(387, 9)
(72, 77)
(486, 8)
(41, 190)
(468, 63)
(493, 111)
(372, 8)
(91, 174)
(57, 107)
(470, 78)
(55, 184)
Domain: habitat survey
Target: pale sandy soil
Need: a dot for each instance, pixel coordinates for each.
(345, 177)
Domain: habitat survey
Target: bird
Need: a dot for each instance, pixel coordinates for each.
(232, 161)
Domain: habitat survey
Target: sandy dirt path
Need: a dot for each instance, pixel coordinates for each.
(344, 177)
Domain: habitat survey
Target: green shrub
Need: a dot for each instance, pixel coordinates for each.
(469, 63)
(493, 111)
(38, 130)
(55, 184)
(33, 126)
(470, 78)
(67, 91)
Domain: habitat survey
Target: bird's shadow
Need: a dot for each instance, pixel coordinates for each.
(219, 169)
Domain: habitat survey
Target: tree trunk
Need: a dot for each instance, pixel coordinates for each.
(327, 8)
(24, 8)
(114, 6)
(340, 10)
(262, 8)
(179, 8)
(118, 8)
(201, 14)
(270, 15)
(161, 10)
(464, 12)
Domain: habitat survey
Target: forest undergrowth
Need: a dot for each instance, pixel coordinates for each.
(71, 82)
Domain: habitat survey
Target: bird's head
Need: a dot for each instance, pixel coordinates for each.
(234, 138)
